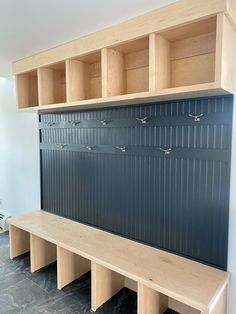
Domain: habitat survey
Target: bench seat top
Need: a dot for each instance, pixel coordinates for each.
(189, 282)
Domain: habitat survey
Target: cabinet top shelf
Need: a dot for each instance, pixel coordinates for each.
(183, 50)
(180, 12)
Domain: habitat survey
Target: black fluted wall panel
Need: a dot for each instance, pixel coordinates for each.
(178, 201)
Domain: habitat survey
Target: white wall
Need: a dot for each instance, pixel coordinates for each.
(19, 151)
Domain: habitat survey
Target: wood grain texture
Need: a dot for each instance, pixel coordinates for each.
(228, 56)
(131, 284)
(42, 253)
(186, 92)
(19, 241)
(52, 86)
(113, 79)
(76, 76)
(181, 308)
(70, 267)
(181, 12)
(105, 284)
(27, 89)
(188, 282)
(151, 301)
(160, 66)
(193, 46)
(195, 70)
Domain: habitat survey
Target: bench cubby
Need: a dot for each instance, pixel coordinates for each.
(70, 267)
(42, 253)
(19, 241)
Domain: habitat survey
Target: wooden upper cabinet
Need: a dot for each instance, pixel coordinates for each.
(150, 58)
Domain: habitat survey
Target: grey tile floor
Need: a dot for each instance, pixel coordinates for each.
(23, 292)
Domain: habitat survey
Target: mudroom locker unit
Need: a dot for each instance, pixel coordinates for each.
(135, 125)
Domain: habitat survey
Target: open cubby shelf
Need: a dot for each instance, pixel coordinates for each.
(27, 89)
(52, 84)
(84, 77)
(183, 61)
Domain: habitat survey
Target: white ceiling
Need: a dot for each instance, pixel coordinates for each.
(30, 26)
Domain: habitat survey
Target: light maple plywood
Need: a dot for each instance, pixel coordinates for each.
(186, 281)
(160, 66)
(77, 81)
(181, 12)
(42, 253)
(193, 46)
(70, 267)
(193, 70)
(228, 56)
(105, 284)
(190, 30)
(112, 72)
(19, 241)
(137, 80)
(131, 284)
(151, 301)
(52, 85)
(192, 91)
(181, 308)
(27, 89)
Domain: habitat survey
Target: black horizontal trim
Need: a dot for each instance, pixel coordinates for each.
(206, 119)
(185, 153)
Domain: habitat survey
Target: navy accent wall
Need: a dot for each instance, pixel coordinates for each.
(163, 181)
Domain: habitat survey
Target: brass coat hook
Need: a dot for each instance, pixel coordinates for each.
(61, 146)
(166, 151)
(142, 120)
(122, 148)
(104, 122)
(197, 118)
(88, 147)
(73, 123)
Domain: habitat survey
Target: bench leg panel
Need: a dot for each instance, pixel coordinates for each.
(42, 253)
(151, 301)
(221, 304)
(105, 284)
(19, 241)
(70, 267)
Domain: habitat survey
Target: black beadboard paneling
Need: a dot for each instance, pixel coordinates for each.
(177, 202)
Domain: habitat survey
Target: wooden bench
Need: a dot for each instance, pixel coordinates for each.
(161, 279)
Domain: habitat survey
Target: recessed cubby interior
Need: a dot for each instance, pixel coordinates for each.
(52, 84)
(126, 68)
(84, 77)
(185, 55)
(27, 89)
